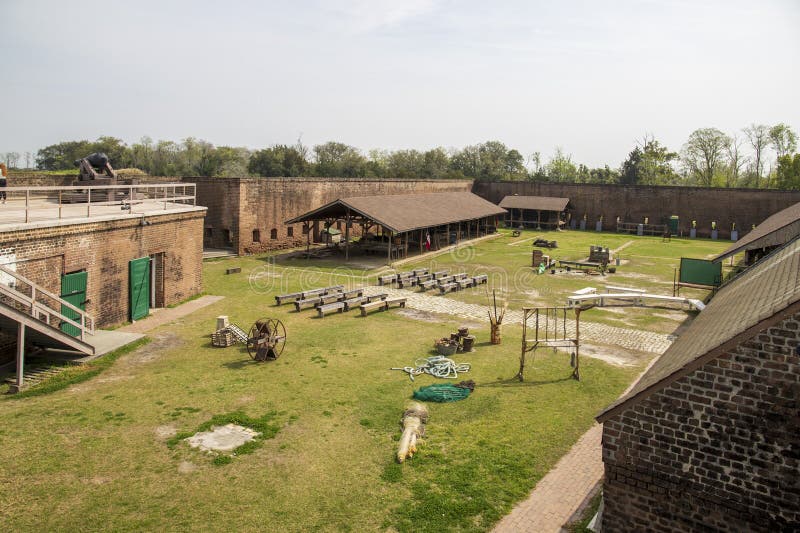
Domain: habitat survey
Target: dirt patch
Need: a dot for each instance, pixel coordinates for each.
(186, 467)
(156, 348)
(165, 432)
(222, 438)
(671, 315)
(426, 316)
(615, 355)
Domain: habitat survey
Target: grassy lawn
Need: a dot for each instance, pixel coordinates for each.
(100, 454)
(646, 263)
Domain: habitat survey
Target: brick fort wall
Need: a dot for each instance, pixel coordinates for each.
(104, 249)
(716, 449)
(744, 207)
(266, 203)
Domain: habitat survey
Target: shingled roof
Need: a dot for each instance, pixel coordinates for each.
(778, 229)
(538, 203)
(407, 212)
(749, 304)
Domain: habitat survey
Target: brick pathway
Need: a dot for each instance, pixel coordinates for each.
(559, 494)
(632, 339)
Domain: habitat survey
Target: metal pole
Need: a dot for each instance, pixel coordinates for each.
(20, 356)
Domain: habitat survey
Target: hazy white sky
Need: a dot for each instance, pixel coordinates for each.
(589, 76)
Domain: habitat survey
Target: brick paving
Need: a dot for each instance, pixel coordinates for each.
(631, 339)
(559, 494)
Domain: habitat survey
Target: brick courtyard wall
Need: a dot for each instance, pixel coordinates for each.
(265, 203)
(104, 249)
(718, 449)
(744, 207)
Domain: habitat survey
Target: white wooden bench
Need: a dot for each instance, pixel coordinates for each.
(327, 308)
(464, 283)
(420, 271)
(440, 274)
(481, 278)
(460, 275)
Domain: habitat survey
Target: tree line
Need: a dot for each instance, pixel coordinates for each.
(758, 156)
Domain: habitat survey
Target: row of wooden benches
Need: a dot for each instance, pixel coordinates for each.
(335, 298)
(406, 277)
(462, 283)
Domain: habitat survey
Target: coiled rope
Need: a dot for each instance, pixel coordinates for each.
(437, 366)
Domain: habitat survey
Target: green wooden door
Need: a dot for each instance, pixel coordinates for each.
(73, 290)
(140, 287)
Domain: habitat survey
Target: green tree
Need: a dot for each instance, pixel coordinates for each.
(405, 164)
(435, 164)
(703, 155)
(759, 139)
(784, 140)
(334, 159)
(561, 168)
(279, 161)
(233, 161)
(490, 161)
(649, 163)
(62, 155)
(788, 172)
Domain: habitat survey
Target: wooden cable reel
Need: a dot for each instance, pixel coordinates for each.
(266, 339)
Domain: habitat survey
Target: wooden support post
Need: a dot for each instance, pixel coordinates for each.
(20, 381)
(347, 236)
(576, 373)
(389, 253)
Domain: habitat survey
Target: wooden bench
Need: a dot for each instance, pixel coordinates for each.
(446, 279)
(374, 297)
(400, 302)
(440, 274)
(407, 282)
(330, 298)
(423, 277)
(464, 283)
(404, 275)
(425, 285)
(327, 308)
(307, 302)
(388, 279)
(460, 275)
(448, 287)
(481, 278)
(353, 302)
(420, 271)
(279, 299)
(352, 294)
(371, 306)
(312, 292)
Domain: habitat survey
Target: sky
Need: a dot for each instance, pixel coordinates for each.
(590, 77)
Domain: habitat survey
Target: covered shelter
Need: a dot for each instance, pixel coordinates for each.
(394, 224)
(538, 212)
(775, 231)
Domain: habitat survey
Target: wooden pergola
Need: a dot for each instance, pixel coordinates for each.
(549, 210)
(405, 220)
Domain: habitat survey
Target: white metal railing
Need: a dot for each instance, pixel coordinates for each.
(34, 306)
(28, 204)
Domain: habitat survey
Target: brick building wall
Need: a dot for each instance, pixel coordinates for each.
(744, 207)
(718, 449)
(265, 203)
(43, 253)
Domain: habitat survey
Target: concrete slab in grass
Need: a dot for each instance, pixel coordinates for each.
(222, 438)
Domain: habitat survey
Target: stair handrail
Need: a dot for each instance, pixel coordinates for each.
(86, 324)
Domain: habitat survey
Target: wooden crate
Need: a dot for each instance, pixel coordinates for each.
(222, 338)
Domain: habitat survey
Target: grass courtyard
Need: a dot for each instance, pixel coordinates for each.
(100, 454)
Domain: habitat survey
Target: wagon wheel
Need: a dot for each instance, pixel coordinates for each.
(266, 340)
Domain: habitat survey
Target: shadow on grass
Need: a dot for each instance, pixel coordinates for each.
(515, 382)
